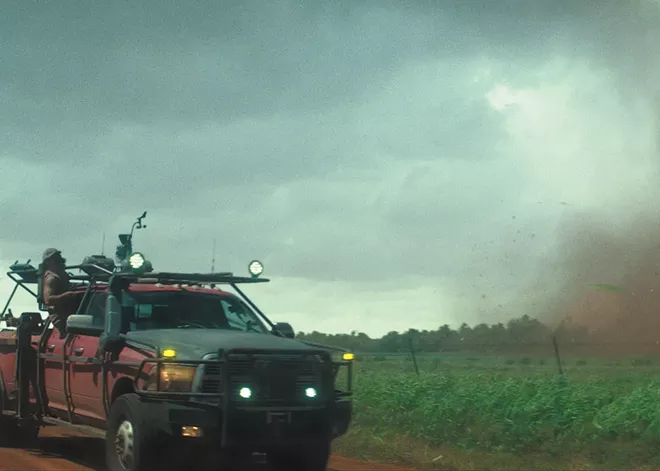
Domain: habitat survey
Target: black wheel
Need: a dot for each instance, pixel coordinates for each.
(15, 436)
(26, 434)
(313, 458)
(4, 422)
(130, 443)
(23, 435)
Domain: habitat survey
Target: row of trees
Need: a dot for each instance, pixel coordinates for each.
(517, 335)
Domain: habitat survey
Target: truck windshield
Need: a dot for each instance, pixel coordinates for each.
(151, 310)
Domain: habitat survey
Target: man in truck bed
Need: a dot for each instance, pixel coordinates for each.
(57, 297)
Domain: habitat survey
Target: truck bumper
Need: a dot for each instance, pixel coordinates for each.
(253, 428)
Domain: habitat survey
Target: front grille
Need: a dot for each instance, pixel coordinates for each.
(273, 379)
(212, 378)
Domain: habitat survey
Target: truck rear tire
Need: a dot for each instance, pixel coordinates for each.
(10, 432)
(15, 436)
(130, 441)
(26, 435)
(4, 422)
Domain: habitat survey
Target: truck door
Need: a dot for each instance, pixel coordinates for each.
(53, 356)
(85, 380)
(8, 359)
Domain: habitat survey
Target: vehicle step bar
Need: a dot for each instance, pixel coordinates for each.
(86, 429)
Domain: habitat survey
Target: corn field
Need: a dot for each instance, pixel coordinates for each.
(511, 405)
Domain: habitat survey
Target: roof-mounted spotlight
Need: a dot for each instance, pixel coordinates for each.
(138, 264)
(255, 268)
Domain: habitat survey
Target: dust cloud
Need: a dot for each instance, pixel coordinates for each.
(620, 249)
(611, 281)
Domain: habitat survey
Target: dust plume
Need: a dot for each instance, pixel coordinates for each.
(618, 247)
(611, 280)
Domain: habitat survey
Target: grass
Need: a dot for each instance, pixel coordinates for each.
(507, 413)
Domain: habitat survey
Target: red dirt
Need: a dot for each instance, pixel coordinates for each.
(62, 449)
(53, 453)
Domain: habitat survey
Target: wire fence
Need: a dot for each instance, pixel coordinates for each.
(552, 355)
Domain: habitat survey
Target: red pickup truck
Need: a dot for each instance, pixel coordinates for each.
(171, 369)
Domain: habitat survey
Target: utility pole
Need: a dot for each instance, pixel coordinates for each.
(103, 245)
(213, 259)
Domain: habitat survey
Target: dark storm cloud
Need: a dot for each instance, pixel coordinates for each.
(200, 61)
(93, 63)
(70, 71)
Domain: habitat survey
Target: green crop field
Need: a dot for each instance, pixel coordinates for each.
(465, 412)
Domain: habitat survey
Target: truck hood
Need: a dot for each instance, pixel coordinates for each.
(195, 343)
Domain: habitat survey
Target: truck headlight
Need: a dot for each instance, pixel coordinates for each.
(173, 378)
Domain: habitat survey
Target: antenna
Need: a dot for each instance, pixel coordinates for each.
(213, 259)
(126, 240)
(103, 245)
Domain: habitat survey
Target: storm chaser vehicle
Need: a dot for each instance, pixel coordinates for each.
(170, 367)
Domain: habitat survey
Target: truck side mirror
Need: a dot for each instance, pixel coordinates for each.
(284, 329)
(113, 316)
(111, 337)
(82, 324)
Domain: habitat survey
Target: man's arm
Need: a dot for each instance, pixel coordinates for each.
(55, 300)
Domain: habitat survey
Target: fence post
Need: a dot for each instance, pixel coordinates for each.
(412, 352)
(556, 347)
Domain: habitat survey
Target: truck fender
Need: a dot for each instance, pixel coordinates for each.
(122, 386)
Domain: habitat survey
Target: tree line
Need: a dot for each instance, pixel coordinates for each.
(523, 334)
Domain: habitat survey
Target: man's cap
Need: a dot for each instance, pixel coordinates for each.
(49, 253)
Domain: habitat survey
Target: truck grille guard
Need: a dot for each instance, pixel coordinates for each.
(277, 377)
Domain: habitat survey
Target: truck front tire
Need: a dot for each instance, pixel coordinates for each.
(130, 442)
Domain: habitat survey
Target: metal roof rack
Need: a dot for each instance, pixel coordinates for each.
(171, 278)
(27, 274)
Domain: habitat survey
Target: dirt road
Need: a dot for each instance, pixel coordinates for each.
(63, 449)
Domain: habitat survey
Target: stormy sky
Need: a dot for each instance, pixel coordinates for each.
(393, 164)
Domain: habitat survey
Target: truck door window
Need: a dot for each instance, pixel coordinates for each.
(96, 307)
(143, 311)
(143, 316)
